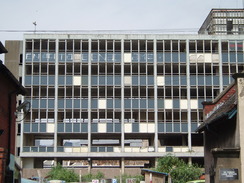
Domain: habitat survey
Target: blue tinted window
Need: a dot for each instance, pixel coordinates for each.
(69, 57)
(167, 80)
(167, 57)
(34, 127)
(35, 103)
(51, 103)
(200, 80)
(51, 57)
(84, 57)
(61, 57)
(193, 80)
(110, 80)
(60, 103)
(225, 80)
(35, 80)
(43, 103)
(143, 104)
(69, 80)
(150, 80)
(127, 103)
(160, 57)
(135, 80)
(150, 57)
(77, 103)
(51, 80)
(143, 80)
(150, 103)
(27, 80)
(102, 57)
(94, 80)
(117, 80)
(160, 103)
(142, 57)
(183, 57)
(101, 80)
(110, 57)
(84, 80)
(225, 57)
(61, 80)
(84, 103)
(94, 57)
(240, 57)
(175, 57)
(117, 103)
(135, 103)
(117, 57)
(28, 57)
(176, 80)
(176, 127)
(44, 57)
(135, 57)
(36, 57)
(232, 57)
(94, 103)
(208, 80)
(69, 103)
(43, 80)
(168, 127)
(176, 103)
(110, 103)
(183, 80)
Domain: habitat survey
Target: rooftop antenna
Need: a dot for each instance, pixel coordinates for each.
(34, 23)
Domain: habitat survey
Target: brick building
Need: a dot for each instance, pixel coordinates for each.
(9, 88)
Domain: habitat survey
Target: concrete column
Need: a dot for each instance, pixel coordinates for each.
(122, 166)
(240, 117)
(89, 165)
(190, 160)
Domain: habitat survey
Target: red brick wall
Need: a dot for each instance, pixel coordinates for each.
(209, 108)
(2, 164)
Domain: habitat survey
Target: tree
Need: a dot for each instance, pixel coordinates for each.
(179, 171)
(60, 173)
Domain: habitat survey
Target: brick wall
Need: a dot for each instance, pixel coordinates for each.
(2, 164)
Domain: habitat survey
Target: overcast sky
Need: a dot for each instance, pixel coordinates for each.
(19, 15)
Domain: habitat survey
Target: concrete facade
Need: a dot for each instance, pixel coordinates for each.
(120, 99)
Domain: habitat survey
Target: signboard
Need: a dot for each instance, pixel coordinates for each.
(228, 174)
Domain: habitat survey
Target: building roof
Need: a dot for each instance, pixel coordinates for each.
(151, 171)
(4, 70)
(227, 109)
(2, 48)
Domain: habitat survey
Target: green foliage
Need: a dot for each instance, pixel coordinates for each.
(60, 173)
(89, 177)
(179, 171)
(125, 176)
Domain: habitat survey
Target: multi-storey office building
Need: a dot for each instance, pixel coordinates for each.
(223, 21)
(120, 99)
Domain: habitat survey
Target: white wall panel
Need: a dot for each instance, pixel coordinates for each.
(50, 128)
(194, 104)
(102, 127)
(128, 128)
(77, 80)
(183, 104)
(160, 80)
(168, 104)
(127, 80)
(102, 104)
(127, 57)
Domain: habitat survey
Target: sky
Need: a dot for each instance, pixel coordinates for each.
(17, 16)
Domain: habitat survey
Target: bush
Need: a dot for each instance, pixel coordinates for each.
(179, 171)
(60, 173)
(89, 177)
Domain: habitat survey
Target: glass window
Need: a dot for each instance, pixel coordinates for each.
(84, 80)
(183, 57)
(69, 103)
(127, 103)
(51, 80)
(110, 80)
(240, 57)
(161, 103)
(150, 103)
(102, 57)
(61, 80)
(160, 57)
(69, 80)
(94, 103)
(193, 80)
(84, 57)
(77, 103)
(225, 57)
(51, 103)
(43, 80)
(94, 57)
(117, 103)
(110, 103)
(150, 80)
(143, 80)
(60, 103)
(84, 103)
(175, 57)
(143, 104)
(150, 57)
(117, 57)
(135, 103)
(117, 80)
(27, 80)
(35, 103)
(142, 57)
(167, 80)
(94, 80)
(167, 57)
(43, 103)
(232, 57)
